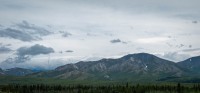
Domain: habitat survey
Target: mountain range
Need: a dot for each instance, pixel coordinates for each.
(16, 72)
(132, 67)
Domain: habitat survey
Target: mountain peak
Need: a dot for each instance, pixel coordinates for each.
(139, 56)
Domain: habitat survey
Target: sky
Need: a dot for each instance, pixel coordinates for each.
(44, 34)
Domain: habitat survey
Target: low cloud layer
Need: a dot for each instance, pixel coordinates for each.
(175, 56)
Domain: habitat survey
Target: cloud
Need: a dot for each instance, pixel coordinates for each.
(66, 34)
(169, 44)
(69, 51)
(117, 41)
(17, 59)
(34, 50)
(92, 34)
(175, 56)
(4, 49)
(195, 22)
(8, 45)
(180, 46)
(140, 49)
(24, 54)
(190, 46)
(16, 34)
(152, 40)
(32, 29)
(24, 31)
(191, 50)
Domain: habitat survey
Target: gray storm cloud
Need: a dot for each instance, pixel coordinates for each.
(24, 53)
(34, 50)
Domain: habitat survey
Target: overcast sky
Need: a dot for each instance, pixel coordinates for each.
(35, 32)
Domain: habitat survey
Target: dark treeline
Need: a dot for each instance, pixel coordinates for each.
(41, 88)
